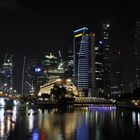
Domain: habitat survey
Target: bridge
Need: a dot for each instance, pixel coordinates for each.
(94, 100)
(81, 101)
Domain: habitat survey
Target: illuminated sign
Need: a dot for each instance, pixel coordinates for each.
(78, 35)
(84, 28)
(38, 69)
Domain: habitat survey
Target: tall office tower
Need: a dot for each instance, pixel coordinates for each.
(81, 59)
(92, 75)
(116, 79)
(99, 69)
(34, 77)
(137, 47)
(106, 57)
(7, 68)
(68, 72)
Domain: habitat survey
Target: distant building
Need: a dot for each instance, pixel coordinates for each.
(34, 77)
(7, 74)
(137, 47)
(68, 71)
(53, 66)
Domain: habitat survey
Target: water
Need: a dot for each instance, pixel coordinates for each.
(86, 123)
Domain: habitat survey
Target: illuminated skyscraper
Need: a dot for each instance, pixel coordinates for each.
(7, 67)
(137, 46)
(99, 69)
(116, 76)
(92, 60)
(106, 58)
(81, 59)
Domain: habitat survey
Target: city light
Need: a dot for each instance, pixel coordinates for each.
(108, 25)
(2, 102)
(78, 35)
(78, 30)
(100, 42)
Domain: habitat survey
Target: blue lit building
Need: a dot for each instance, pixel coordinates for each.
(81, 59)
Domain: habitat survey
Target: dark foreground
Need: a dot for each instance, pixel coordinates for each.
(80, 123)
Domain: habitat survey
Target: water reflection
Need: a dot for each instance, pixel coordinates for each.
(87, 123)
(7, 121)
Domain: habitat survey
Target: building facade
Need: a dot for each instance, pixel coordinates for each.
(92, 67)
(99, 69)
(137, 47)
(105, 31)
(81, 59)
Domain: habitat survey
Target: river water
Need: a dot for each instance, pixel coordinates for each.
(80, 123)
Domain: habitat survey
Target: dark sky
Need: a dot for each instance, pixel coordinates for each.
(33, 28)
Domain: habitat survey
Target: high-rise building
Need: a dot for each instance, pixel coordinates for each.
(99, 69)
(137, 47)
(7, 69)
(116, 77)
(34, 77)
(92, 67)
(68, 72)
(106, 58)
(81, 59)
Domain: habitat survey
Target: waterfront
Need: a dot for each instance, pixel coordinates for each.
(85, 123)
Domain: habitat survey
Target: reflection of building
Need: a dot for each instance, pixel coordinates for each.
(137, 47)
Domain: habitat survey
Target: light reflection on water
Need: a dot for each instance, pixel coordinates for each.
(85, 123)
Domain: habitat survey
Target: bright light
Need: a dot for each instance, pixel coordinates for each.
(107, 25)
(15, 102)
(58, 80)
(2, 102)
(15, 90)
(100, 42)
(5, 84)
(84, 28)
(39, 94)
(68, 80)
(37, 69)
(78, 35)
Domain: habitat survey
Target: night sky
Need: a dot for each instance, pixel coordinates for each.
(33, 28)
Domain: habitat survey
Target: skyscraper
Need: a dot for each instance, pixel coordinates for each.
(116, 76)
(92, 68)
(81, 59)
(99, 69)
(137, 47)
(106, 58)
(7, 68)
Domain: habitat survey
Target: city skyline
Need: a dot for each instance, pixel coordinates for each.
(30, 28)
